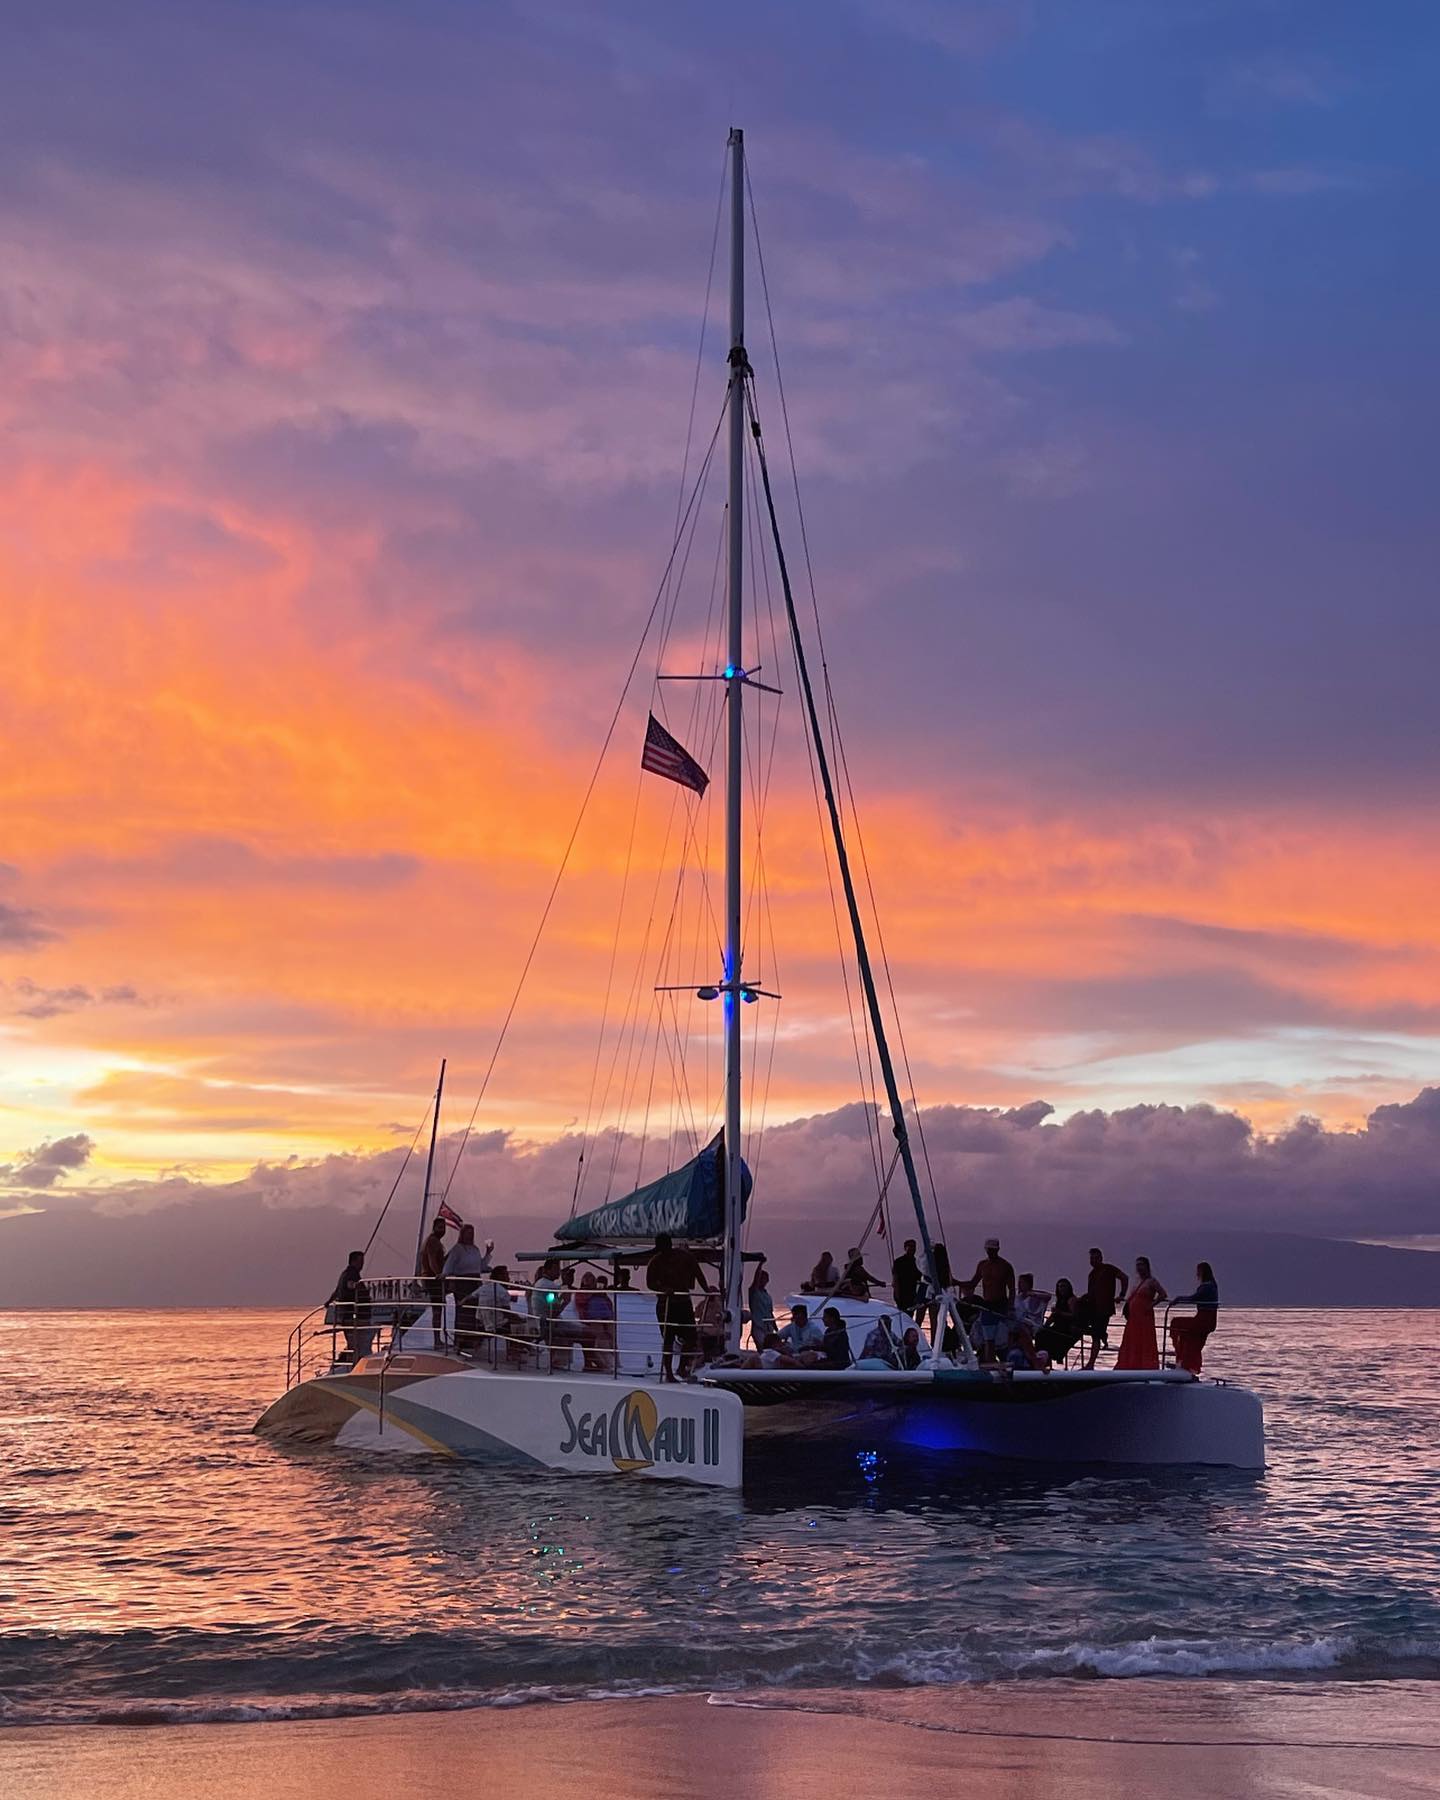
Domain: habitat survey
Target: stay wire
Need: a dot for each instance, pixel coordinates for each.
(897, 1105)
(829, 693)
(395, 1188)
(579, 820)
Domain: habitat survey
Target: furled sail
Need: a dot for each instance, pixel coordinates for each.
(689, 1203)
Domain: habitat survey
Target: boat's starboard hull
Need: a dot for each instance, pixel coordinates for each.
(1168, 1422)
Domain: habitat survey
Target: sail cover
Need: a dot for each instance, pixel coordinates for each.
(689, 1202)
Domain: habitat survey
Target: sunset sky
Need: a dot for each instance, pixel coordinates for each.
(347, 360)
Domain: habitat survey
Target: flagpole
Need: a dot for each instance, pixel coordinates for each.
(429, 1166)
(734, 761)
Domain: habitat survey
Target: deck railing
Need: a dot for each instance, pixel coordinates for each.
(546, 1326)
(549, 1327)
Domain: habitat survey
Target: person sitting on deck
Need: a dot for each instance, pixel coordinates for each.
(857, 1281)
(350, 1300)
(1062, 1331)
(823, 1277)
(835, 1345)
(912, 1351)
(1189, 1335)
(1105, 1286)
(772, 1354)
(710, 1326)
(1029, 1317)
(670, 1275)
(1029, 1302)
(549, 1302)
(596, 1312)
(881, 1349)
(491, 1314)
(803, 1338)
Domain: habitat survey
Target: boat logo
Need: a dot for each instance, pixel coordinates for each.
(633, 1436)
(636, 1418)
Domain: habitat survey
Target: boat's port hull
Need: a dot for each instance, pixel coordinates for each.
(1062, 1419)
(582, 1423)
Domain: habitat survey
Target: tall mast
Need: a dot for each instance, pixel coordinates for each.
(429, 1166)
(734, 741)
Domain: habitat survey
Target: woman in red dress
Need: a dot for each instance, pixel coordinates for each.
(1139, 1348)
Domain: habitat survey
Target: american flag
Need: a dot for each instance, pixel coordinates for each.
(447, 1212)
(663, 756)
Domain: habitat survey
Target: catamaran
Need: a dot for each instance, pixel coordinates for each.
(544, 1375)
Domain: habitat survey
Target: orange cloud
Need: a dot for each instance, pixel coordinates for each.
(317, 835)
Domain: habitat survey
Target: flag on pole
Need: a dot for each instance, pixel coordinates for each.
(662, 755)
(447, 1212)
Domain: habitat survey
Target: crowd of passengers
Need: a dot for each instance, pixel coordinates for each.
(1007, 1319)
(1010, 1323)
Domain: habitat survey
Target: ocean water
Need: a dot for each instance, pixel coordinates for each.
(163, 1563)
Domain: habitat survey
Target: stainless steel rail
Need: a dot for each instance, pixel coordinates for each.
(545, 1326)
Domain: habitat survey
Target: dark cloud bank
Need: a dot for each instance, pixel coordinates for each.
(1277, 1212)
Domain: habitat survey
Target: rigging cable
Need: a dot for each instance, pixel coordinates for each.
(872, 999)
(579, 819)
(395, 1188)
(830, 703)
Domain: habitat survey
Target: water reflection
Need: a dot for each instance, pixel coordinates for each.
(155, 1541)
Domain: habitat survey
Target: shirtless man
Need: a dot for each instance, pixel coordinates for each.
(670, 1275)
(1105, 1287)
(994, 1283)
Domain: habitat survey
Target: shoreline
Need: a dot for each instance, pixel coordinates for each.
(1230, 1740)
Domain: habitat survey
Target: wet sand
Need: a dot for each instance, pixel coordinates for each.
(1079, 1740)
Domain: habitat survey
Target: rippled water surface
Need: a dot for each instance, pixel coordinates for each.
(163, 1562)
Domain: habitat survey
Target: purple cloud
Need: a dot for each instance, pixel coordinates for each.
(23, 929)
(51, 1162)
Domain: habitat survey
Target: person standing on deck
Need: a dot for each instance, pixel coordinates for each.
(670, 1275)
(995, 1281)
(432, 1276)
(905, 1278)
(351, 1301)
(761, 1304)
(463, 1269)
(1138, 1348)
(1106, 1286)
(930, 1294)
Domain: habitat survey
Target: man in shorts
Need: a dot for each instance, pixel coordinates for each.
(1105, 1287)
(994, 1287)
(670, 1275)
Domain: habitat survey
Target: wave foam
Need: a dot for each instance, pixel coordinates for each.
(854, 1665)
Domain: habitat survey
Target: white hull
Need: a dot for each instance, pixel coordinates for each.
(585, 1424)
